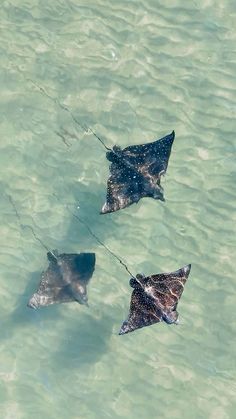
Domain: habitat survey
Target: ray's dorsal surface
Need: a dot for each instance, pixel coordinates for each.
(155, 299)
(65, 279)
(135, 173)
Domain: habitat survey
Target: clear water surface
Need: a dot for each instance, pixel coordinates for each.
(133, 71)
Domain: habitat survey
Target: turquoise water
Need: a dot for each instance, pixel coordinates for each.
(133, 71)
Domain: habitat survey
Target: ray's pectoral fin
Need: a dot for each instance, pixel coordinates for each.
(120, 194)
(143, 311)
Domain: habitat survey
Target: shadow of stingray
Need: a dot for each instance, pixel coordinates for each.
(84, 341)
(86, 206)
(22, 314)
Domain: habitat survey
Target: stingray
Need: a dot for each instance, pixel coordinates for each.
(135, 173)
(65, 279)
(155, 299)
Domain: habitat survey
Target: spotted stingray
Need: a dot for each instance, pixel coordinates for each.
(135, 173)
(155, 299)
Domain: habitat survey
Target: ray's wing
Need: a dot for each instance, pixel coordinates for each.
(77, 270)
(52, 289)
(166, 289)
(124, 187)
(143, 312)
(77, 267)
(151, 159)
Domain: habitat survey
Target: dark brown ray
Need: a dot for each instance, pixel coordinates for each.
(65, 279)
(136, 173)
(155, 299)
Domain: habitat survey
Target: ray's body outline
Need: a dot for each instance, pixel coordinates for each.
(135, 173)
(155, 299)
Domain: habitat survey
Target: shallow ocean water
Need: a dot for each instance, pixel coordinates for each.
(133, 71)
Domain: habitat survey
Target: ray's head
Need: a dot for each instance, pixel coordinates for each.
(137, 282)
(114, 154)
